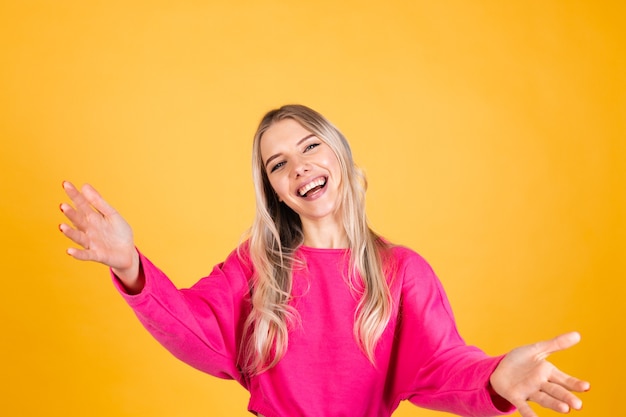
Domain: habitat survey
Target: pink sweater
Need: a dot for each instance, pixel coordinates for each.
(420, 357)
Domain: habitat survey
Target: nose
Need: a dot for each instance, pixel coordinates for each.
(300, 167)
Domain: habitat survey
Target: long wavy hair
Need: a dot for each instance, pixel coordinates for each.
(275, 235)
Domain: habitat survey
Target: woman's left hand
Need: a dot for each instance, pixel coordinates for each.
(525, 375)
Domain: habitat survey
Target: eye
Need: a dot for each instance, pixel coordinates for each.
(278, 165)
(311, 147)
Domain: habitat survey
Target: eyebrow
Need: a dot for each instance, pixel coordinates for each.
(271, 158)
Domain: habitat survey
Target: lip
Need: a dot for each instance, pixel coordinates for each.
(305, 183)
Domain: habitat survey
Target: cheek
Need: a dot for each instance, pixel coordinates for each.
(280, 187)
(334, 167)
(332, 162)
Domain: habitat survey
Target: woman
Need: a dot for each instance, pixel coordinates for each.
(315, 314)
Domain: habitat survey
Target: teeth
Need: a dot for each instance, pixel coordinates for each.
(308, 187)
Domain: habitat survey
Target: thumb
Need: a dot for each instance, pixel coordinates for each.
(96, 200)
(559, 343)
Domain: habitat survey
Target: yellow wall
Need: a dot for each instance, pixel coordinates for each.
(493, 135)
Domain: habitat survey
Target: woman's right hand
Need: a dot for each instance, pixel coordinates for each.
(103, 235)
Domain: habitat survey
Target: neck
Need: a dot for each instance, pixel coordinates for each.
(328, 234)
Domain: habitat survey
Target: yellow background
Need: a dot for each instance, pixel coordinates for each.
(492, 133)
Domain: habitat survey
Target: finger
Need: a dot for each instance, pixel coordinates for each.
(73, 216)
(68, 187)
(560, 394)
(79, 200)
(524, 409)
(556, 344)
(74, 235)
(568, 382)
(547, 401)
(80, 254)
(95, 199)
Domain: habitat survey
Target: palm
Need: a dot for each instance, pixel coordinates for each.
(525, 375)
(102, 233)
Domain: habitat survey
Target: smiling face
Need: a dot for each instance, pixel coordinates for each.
(302, 169)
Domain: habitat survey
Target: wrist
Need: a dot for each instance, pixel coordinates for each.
(131, 277)
(498, 401)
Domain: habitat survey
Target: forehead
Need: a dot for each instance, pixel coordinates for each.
(284, 132)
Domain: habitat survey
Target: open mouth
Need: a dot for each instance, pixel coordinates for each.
(312, 187)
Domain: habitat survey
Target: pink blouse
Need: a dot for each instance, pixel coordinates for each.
(420, 356)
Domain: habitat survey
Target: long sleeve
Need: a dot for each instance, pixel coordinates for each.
(434, 367)
(202, 325)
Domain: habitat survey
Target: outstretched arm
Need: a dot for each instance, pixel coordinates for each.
(200, 325)
(102, 233)
(525, 375)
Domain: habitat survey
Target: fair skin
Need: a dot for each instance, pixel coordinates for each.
(305, 174)
(296, 161)
(102, 233)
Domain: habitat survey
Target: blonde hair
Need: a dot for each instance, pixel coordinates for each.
(275, 235)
